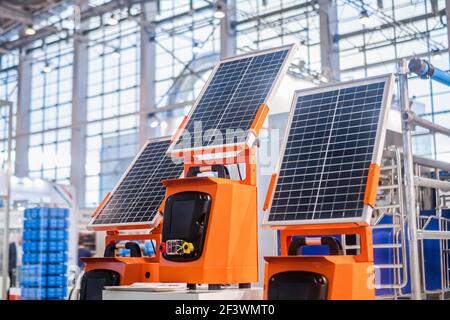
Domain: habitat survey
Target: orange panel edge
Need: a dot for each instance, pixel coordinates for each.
(270, 191)
(373, 178)
(97, 210)
(260, 117)
(179, 130)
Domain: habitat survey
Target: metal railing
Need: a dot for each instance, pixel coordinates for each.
(415, 182)
(390, 202)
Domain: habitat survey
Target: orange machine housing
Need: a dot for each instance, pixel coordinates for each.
(230, 253)
(130, 269)
(349, 277)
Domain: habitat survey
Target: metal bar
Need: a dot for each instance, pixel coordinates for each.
(388, 187)
(79, 108)
(388, 206)
(329, 49)
(426, 162)
(147, 90)
(424, 234)
(228, 30)
(388, 266)
(386, 226)
(432, 183)
(387, 245)
(430, 163)
(410, 194)
(412, 118)
(447, 13)
(398, 161)
(23, 116)
(385, 168)
(7, 206)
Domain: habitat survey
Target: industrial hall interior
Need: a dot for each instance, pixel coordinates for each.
(224, 150)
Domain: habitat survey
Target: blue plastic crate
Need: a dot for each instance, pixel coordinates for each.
(39, 213)
(33, 224)
(34, 258)
(57, 293)
(59, 213)
(56, 269)
(35, 246)
(35, 235)
(57, 257)
(37, 281)
(57, 223)
(56, 281)
(64, 212)
(34, 293)
(34, 269)
(57, 246)
(43, 274)
(58, 235)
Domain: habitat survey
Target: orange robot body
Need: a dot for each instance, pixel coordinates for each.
(129, 269)
(342, 277)
(229, 252)
(342, 273)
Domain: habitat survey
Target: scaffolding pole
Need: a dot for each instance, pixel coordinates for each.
(433, 127)
(410, 194)
(432, 183)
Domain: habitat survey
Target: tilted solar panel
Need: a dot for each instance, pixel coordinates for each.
(139, 193)
(232, 96)
(334, 134)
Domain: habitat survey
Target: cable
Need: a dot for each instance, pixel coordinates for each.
(153, 245)
(239, 171)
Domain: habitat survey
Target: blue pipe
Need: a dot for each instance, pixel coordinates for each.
(426, 70)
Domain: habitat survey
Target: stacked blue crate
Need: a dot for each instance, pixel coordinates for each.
(45, 254)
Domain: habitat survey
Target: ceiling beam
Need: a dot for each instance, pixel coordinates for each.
(22, 41)
(15, 15)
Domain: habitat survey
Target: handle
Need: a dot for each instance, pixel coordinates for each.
(334, 245)
(135, 250)
(110, 250)
(221, 170)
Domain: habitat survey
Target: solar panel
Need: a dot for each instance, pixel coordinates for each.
(139, 193)
(231, 97)
(334, 134)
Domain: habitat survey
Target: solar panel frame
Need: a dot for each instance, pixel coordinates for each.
(251, 139)
(380, 138)
(129, 225)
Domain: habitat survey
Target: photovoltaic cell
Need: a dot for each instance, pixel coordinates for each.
(328, 152)
(138, 195)
(233, 96)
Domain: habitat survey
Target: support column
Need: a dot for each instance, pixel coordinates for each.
(329, 46)
(410, 190)
(147, 67)
(228, 30)
(23, 115)
(79, 106)
(447, 13)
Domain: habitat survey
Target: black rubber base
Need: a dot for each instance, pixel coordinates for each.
(246, 285)
(214, 287)
(191, 286)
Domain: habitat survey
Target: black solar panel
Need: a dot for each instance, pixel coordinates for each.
(233, 96)
(138, 195)
(329, 149)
